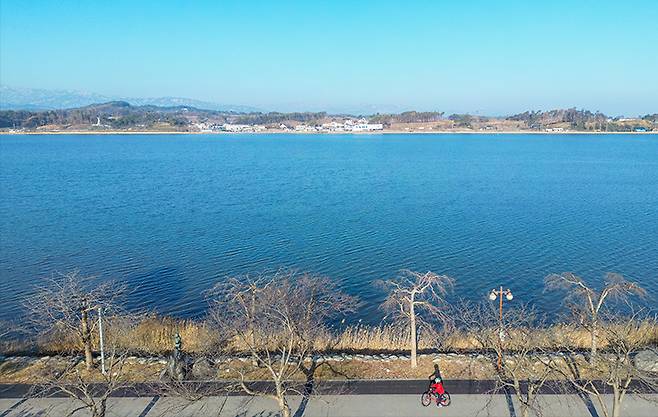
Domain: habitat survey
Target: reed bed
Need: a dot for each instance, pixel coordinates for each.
(154, 336)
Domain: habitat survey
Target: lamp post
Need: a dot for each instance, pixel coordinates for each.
(492, 296)
(100, 338)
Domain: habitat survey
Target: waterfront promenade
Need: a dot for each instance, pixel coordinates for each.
(359, 399)
(329, 405)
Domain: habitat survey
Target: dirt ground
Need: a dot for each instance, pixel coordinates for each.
(21, 370)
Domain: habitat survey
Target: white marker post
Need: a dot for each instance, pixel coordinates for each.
(100, 331)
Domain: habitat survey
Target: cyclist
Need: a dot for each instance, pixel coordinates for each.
(437, 381)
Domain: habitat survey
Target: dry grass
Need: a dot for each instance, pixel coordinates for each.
(154, 336)
(377, 338)
(150, 335)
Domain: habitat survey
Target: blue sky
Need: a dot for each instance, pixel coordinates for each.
(491, 57)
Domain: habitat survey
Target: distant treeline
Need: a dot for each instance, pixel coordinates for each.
(407, 117)
(116, 114)
(278, 118)
(122, 115)
(578, 120)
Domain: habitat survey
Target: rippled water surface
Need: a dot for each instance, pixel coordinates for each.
(170, 215)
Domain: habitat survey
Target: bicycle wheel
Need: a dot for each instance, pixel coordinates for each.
(426, 399)
(445, 399)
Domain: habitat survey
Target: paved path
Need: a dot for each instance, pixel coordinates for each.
(332, 399)
(323, 406)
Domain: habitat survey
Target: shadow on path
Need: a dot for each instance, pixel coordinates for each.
(308, 388)
(510, 402)
(12, 408)
(589, 404)
(149, 406)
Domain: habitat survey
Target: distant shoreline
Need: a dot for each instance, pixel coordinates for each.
(278, 132)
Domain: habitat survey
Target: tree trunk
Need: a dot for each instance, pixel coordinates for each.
(594, 331)
(284, 407)
(86, 340)
(414, 338)
(527, 405)
(99, 410)
(252, 327)
(525, 410)
(616, 403)
(283, 403)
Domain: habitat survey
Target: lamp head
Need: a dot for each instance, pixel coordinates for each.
(509, 296)
(492, 296)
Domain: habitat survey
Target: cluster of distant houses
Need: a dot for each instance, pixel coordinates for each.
(348, 125)
(227, 127)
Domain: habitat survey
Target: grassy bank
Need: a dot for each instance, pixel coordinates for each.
(154, 336)
(366, 352)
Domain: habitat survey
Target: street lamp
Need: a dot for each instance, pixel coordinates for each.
(100, 338)
(492, 296)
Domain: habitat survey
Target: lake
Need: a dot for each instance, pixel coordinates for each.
(172, 214)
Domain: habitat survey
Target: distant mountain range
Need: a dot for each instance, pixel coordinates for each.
(39, 99)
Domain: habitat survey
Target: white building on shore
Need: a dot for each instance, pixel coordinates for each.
(350, 125)
(367, 127)
(333, 127)
(305, 128)
(226, 127)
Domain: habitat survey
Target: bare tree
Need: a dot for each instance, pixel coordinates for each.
(587, 303)
(276, 320)
(65, 304)
(189, 394)
(413, 295)
(90, 391)
(91, 388)
(516, 342)
(616, 367)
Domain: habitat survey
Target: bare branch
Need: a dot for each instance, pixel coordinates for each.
(65, 303)
(414, 295)
(586, 303)
(276, 320)
(515, 341)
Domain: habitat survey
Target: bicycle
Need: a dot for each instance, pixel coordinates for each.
(434, 392)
